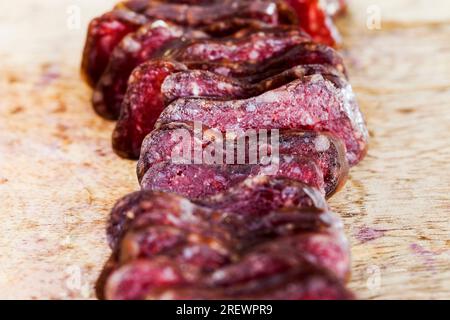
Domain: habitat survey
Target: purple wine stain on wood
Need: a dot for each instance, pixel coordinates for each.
(50, 73)
(366, 234)
(427, 256)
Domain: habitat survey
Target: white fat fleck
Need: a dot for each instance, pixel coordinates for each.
(199, 48)
(257, 179)
(158, 23)
(269, 97)
(189, 252)
(297, 170)
(169, 275)
(132, 45)
(253, 55)
(271, 9)
(130, 215)
(218, 275)
(187, 208)
(195, 89)
(224, 86)
(259, 43)
(270, 169)
(307, 119)
(322, 143)
(222, 71)
(250, 107)
(316, 78)
(217, 247)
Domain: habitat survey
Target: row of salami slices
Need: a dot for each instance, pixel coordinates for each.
(196, 78)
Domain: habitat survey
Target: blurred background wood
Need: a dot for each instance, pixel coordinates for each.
(59, 177)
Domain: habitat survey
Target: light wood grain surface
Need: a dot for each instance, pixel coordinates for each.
(59, 177)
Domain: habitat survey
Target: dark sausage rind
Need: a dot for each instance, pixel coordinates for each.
(163, 242)
(248, 46)
(252, 78)
(327, 152)
(261, 194)
(144, 101)
(204, 15)
(146, 207)
(134, 49)
(106, 31)
(226, 230)
(285, 277)
(206, 84)
(311, 103)
(153, 42)
(142, 105)
(104, 34)
(313, 16)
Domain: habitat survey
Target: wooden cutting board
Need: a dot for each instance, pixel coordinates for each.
(59, 177)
